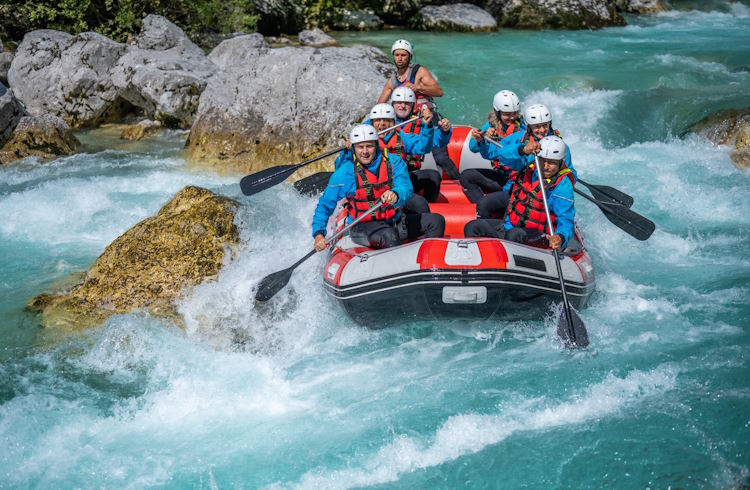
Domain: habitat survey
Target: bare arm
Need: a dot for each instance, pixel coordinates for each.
(385, 95)
(424, 82)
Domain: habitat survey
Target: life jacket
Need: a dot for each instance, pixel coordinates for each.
(413, 162)
(422, 99)
(369, 189)
(503, 131)
(526, 206)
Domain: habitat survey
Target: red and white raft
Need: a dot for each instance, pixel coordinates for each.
(454, 277)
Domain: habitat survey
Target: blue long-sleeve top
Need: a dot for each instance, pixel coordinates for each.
(414, 144)
(440, 138)
(344, 184)
(474, 146)
(561, 202)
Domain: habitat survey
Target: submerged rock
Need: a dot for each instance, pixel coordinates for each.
(555, 14)
(46, 137)
(163, 73)
(272, 106)
(640, 6)
(316, 38)
(149, 265)
(457, 17)
(143, 129)
(67, 76)
(11, 112)
(730, 127)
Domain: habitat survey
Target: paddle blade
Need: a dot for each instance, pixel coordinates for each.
(628, 220)
(266, 178)
(610, 195)
(314, 184)
(572, 334)
(272, 284)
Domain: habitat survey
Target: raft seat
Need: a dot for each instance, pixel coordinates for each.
(456, 216)
(452, 192)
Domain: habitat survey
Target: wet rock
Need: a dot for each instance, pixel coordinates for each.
(267, 107)
(344, 19)
(46, 137)
(640, 6)
(67, 76)
(148, 266)
(284, 41)
(316, 38)
(144, 129)
(555, 14)
(6, 58)
(163, 73)
(730, 127)
(457, 17)
(11, 112)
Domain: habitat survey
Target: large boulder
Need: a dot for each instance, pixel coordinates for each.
(46, 137)
(315, 38)
(457, 17)
(555, 14)
(271, 106)
(163, 73)
(344, 19)
(148, 266)
(11, 112)
(640, 6)
(67, 76)
(730, 127)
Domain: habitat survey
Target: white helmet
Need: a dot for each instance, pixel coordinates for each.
(553, 148)
(402, 44)
(537, 114)
(363, 132)
(506, 101)
(382, 111)
(403, 94)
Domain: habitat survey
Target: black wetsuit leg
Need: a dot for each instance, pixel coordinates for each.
(427, 181)
(375, 234)
(416, 204)
(445, 163)
(431, 225)
(524, 235)
(477, 181)
(493, 205)
(493, 228)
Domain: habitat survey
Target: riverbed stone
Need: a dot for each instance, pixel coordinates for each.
(11, 112)
(163, 73)
(730, 127)
(140, 130)
(46, 137)
(640, 6)
(555, 14)
(66, 76)
(315, 38)
(463, 17)
(149, 266)
(274, 106)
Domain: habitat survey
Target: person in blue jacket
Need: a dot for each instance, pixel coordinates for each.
(404, 100)
(373, 175)
(503, 121)
(518, 148)
(525, 220)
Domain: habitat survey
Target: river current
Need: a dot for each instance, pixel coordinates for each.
(300, 397)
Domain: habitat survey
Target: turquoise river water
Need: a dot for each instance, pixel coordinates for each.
(661, 398)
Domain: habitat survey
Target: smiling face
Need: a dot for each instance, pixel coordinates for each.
(403, 109)
(366, 151)
(549, 167)
(539, 130)
(381, 124)
(401, 58)
(508, 118)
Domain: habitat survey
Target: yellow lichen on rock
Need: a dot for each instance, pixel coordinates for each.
(150, 264)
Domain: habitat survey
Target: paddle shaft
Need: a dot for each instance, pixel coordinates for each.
(632, 223)
(566, 303)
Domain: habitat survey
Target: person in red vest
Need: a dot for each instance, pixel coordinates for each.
(416, 77)
(374, 174)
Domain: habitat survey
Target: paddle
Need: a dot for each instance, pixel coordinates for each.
(314, 184)
(269, 177)
(624, 218)
(273, 283)
(572, 332)
(608, 194)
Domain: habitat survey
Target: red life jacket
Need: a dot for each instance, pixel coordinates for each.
(395, 146)
(503, 132)
(526, 206)
(413, 162)
(369, 189)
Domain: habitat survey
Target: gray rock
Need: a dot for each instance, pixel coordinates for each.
(278, 40)
(731, 127)
(316, 38)
(6, 58)
(163, 73)
(56, 73)
(271, 106)
(555, 14)
(45, 136)
(457, 17)
(640, 6)
(241, 49)
(355, 20)
(11, 112)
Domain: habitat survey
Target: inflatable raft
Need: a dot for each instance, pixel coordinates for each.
(453, 277)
